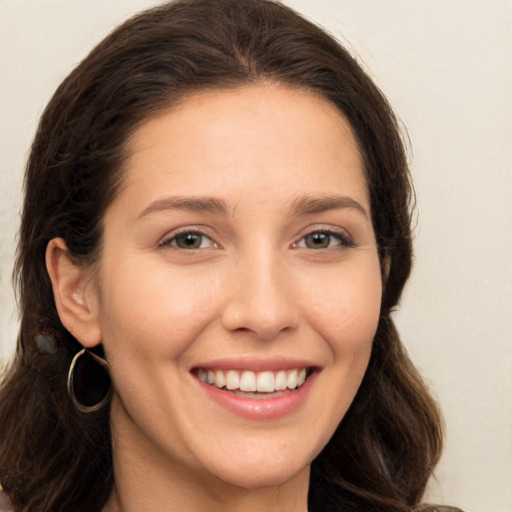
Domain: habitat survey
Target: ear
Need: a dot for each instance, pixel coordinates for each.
(76, 296)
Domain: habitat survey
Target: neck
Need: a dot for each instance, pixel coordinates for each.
(254, 500)
(146, 480)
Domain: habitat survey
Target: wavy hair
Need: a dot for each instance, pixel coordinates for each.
(54, 458)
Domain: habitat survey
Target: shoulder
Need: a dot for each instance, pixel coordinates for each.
(5, 502)
(438, 508)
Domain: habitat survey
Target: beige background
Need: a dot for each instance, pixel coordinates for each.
(446, 68)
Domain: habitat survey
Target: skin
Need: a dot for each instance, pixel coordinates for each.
(258, 288)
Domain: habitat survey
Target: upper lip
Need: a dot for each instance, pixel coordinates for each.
(256, 364)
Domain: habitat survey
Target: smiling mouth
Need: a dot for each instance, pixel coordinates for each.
(250, 384)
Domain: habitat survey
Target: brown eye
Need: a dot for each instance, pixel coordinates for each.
(324, 240)
(318, 240)
(189, 240)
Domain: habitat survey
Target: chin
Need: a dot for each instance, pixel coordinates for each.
(250, 474)
(263, 479)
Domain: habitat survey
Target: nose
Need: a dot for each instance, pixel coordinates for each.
(260, 298)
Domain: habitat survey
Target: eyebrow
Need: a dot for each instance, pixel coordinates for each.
(308, 205)
(305, 205)
(187, 203)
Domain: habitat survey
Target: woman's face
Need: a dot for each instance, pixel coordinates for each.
(239, 253)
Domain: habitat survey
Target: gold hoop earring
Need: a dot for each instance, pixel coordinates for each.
(89, 384)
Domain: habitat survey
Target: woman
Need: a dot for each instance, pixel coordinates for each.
(216, 229)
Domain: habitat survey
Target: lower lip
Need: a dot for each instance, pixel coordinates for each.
(260, 408)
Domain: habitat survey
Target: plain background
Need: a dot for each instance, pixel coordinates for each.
(445, 66)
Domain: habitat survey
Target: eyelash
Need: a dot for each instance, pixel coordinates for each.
(343, 239)
(172, 241)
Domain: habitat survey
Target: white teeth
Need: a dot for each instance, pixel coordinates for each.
(232, 380)
(292, 379)
(265, 382)
(248, 381)
(281, 382)
(219, 379)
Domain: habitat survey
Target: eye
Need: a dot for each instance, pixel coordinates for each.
(188, 240)
(324, 239)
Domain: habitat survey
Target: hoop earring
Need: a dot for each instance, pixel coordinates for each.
(89, 384)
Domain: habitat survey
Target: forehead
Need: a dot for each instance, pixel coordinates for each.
(247, 138)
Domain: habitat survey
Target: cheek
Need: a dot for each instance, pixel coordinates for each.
(156, 310)
(346, 311)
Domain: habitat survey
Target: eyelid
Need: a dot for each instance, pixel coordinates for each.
(166, 240)
(336, 231)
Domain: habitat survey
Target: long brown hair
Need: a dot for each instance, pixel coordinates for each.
(54, 458)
